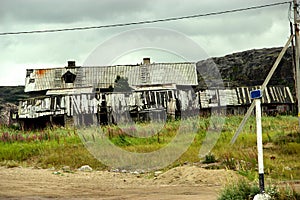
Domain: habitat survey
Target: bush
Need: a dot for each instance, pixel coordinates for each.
(246, 191)
(210, 158)
(240, 191)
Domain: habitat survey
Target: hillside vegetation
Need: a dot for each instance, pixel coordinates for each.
(249, 68)
(11, 94)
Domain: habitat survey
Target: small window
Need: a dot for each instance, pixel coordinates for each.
(69, 77)
(31, 80)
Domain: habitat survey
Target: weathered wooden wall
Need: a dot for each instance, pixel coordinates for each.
(105, 108)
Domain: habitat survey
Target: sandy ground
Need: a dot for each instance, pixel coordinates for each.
(181, 183)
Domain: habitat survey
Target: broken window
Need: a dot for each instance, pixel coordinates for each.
(69, 77)
(28, 72)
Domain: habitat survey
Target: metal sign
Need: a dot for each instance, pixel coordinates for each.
(256, 94)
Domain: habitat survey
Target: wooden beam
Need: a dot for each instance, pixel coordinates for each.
(263, 87)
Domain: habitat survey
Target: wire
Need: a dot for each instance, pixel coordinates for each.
(147, 21)
(290, 17)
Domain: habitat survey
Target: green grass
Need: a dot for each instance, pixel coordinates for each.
(60, 147)
(20, 152)
(49, 148)
(281, 145)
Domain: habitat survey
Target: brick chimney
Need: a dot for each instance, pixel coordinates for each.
(146, 61)
(71, 63)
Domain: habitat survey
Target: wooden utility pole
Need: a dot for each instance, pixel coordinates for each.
(297, 58)
(263, 87)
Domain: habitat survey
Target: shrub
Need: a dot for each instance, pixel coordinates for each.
(240, 191)
(210, 158)
(246, 191)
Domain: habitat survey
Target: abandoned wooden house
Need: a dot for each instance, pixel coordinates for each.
(85, 95)
(149, 91)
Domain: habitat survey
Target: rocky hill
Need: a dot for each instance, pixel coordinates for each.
(249, 68)
(9, 98)
(11, 94)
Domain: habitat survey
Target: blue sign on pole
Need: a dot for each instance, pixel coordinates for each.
(255, 94)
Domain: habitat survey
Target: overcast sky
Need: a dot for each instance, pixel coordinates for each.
(216, 35)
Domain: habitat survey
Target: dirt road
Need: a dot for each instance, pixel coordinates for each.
(182, 183)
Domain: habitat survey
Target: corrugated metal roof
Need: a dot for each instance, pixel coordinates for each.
(241, 96)
(103, 77)
(272, 95)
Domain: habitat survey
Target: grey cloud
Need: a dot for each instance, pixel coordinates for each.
(57, 11)
(218, 35)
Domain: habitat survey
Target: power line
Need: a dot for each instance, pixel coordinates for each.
(147, 21)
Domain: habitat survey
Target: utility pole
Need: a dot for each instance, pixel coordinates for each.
(256, 96)
(259, 145)
(297, 58)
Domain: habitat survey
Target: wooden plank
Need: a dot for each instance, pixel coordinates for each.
(264, 85)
